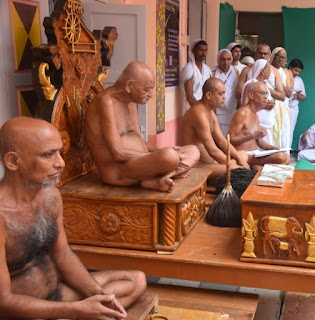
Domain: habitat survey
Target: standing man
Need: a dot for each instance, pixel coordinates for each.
(235, 48)
(229, 75)
(298, 93)
(282, 136)
(200, 127)
(196, 72)
(41, 278)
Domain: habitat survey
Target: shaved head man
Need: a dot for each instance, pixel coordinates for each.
(245, 131)
(113, 136)
(200, 127)
(41, 278)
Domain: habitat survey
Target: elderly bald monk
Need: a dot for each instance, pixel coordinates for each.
(200, 127)
(41, 278)
(260, 71)
(246, 132)
(112, 133)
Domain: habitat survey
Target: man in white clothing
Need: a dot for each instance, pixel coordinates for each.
(196, 72)
(235, 48)
(229, 75)
(298, 93)
(282, 136)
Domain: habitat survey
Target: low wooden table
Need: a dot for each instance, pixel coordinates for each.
(279, 223)
(100, 215)
(239, 306)
(209, 254)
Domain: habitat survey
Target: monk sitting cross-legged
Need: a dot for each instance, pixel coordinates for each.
(200, 127)
(112, 133)
(246, 133)
(40, 276)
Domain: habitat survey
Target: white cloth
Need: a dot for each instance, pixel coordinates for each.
(266, 117)
(248, 60)
(294, 103)
(275, 118)
(239, 67)
(286, 122)
(225, 114)
(253, 73)
(307, 148)
(199, 78)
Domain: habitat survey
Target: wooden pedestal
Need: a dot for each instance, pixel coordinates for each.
(279, 223)
(132, 217)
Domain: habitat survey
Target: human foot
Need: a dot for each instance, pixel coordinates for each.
(162, 184)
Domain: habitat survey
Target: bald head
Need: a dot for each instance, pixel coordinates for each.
(212, 85)
(21, 132)
(135, 71)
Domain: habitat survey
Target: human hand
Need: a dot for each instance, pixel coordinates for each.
(100, 307)
(260, 133)
(270, 105)
(287, 91)
(243, 164)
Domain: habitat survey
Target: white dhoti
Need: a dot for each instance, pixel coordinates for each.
(226, 113)
(294, 112)
(294, 103)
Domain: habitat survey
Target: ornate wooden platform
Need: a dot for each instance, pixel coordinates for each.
(279, 223)
(132, 217)
(208, 254)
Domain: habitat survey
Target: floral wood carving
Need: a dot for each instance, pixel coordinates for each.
(114, 222)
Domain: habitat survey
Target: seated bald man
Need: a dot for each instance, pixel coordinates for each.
(40, 276)
(246, 133)
(112, 133)
(200, 127)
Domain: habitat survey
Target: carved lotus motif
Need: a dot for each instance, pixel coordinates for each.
(109, 223)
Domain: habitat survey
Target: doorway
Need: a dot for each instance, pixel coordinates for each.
(261, 28)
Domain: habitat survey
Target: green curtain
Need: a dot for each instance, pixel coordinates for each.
(299, 41)
(227, 25)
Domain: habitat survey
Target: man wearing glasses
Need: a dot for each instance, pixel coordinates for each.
(246, 132)
(281, 131)
(273, 83)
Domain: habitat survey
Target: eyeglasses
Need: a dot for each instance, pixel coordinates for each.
(280, 57)
(264, 93)
(263, 53)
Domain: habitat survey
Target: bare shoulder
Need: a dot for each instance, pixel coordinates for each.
(102, 101)
(242, 112)
(195, 114)
(245, 71)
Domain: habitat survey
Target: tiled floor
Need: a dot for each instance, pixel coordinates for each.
(270, 301)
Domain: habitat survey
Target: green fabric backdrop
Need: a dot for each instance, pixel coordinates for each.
(299, 41)
(226, 25)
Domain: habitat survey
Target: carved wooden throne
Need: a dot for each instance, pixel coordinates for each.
(68, 73)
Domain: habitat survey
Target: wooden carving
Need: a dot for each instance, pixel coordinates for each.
(281, 234)
(97, 222)
(310, 238)
(67, 75)
(249, 233)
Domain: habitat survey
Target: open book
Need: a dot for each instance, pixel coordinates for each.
(263, 153)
